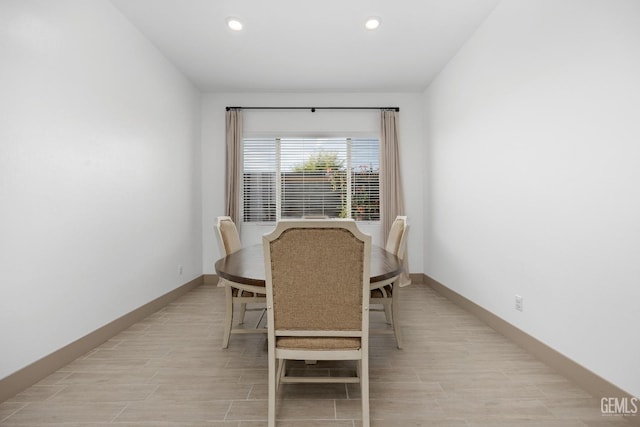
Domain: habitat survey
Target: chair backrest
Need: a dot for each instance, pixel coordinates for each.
(397, 235)
(228, 236)
(317, 276)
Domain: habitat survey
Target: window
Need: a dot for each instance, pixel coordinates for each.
(296, 177)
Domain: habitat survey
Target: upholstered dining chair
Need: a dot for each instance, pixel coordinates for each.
(317, 280)
(237, 293)
(387, 293)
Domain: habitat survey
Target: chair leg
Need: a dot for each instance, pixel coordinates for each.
(271, 416)
(243, 310)
(364, 389)
(281, 371)
(396, 322)
(387, 309)
(387, 314)
(228, 320)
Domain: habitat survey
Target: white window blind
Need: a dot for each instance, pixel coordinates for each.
(296, 177)
(365, 179)
(259, 180)
(313, 177)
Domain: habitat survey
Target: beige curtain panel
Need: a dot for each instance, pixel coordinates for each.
(391, 183)
(234, 164)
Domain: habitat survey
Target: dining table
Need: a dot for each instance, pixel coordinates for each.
(246, 266)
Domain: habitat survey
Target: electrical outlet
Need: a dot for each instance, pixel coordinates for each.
(519, 303)
(180, 270)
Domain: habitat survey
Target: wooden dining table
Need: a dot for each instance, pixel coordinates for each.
(246, 266)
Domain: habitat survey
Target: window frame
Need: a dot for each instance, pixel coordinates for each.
(304, 135)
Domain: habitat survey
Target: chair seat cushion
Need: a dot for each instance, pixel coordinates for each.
(318, 343)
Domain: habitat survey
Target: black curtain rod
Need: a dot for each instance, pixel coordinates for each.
(313, 109)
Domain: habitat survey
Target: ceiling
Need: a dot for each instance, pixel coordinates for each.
(308, 46)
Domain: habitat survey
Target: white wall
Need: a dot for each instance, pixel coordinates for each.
(296, 122)
(533, 189)
(99, 174)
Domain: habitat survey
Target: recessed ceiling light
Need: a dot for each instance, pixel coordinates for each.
(372, 23)
(234, 23)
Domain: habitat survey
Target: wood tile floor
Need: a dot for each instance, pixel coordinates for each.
(169, 370)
